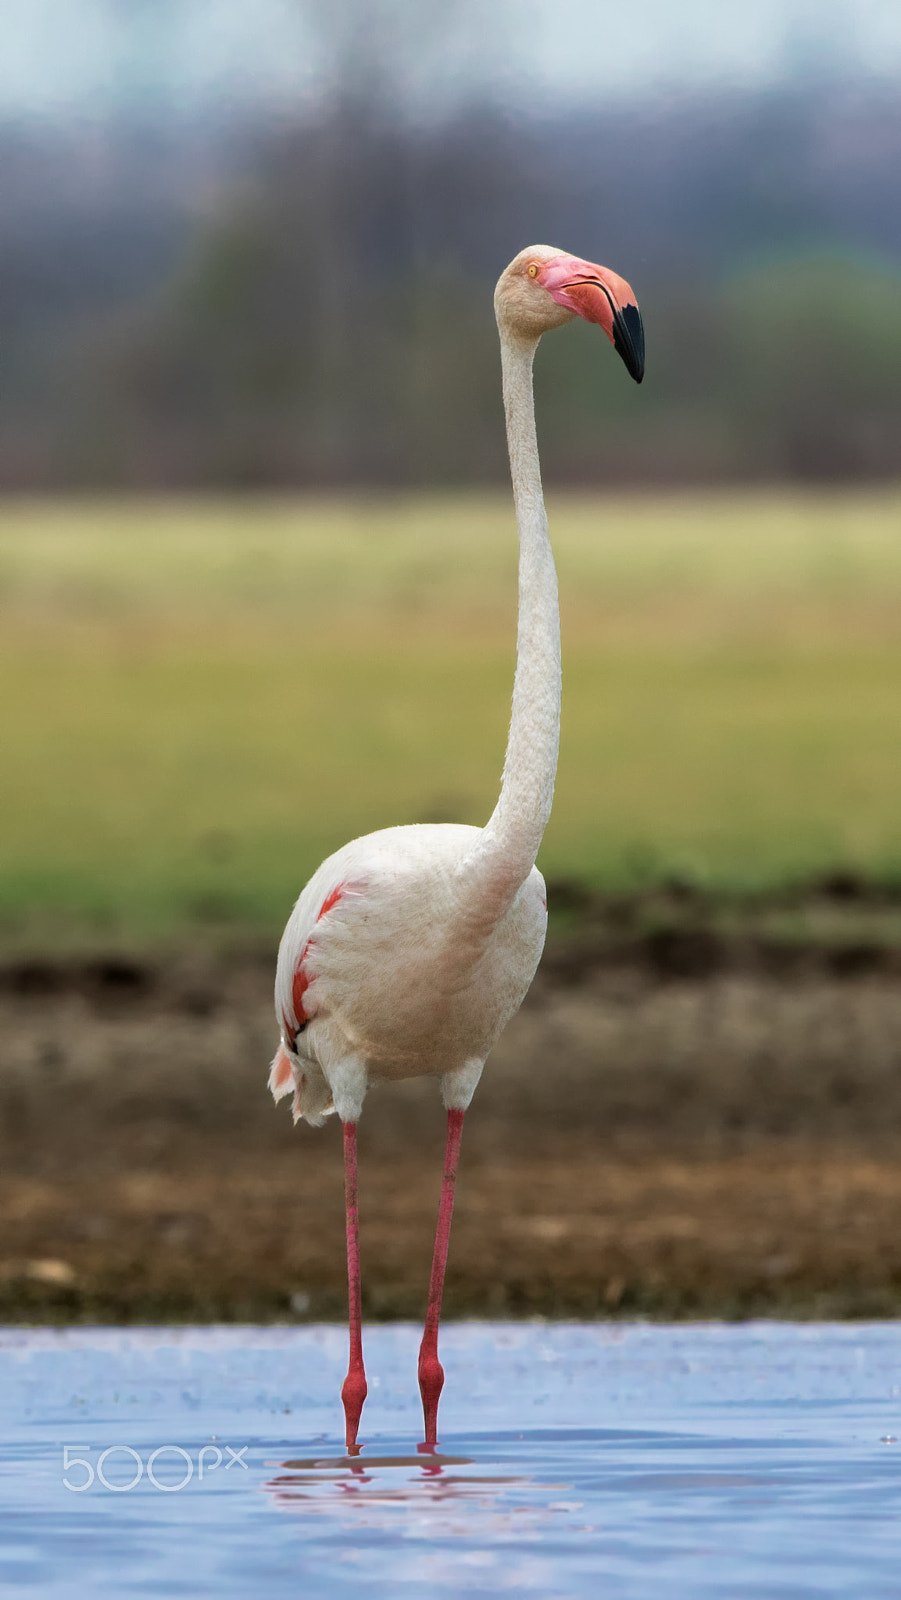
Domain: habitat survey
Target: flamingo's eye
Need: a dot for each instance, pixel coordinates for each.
(533, 271)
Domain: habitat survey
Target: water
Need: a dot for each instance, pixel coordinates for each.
(575, 1460)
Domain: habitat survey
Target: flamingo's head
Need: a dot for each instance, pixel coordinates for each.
(544, 288)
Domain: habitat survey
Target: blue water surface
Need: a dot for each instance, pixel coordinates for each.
(575, 1459)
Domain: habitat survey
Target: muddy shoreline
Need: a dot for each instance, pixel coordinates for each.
(697, 1113)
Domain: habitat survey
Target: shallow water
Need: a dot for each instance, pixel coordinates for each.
(752, 1460)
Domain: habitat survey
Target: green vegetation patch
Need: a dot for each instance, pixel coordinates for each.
(201, 699)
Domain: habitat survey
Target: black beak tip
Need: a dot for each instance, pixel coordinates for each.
(628, 340)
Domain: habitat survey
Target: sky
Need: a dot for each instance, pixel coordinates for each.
(60, 56)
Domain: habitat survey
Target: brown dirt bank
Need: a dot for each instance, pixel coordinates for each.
(697, 1112)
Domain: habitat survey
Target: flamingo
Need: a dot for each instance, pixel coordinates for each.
(409, 950)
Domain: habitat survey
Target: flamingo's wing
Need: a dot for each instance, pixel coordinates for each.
(299, 962)
(374, 952)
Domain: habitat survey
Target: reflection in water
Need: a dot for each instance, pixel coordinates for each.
(385, 1480)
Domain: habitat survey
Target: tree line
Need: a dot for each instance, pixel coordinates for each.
(317, 311)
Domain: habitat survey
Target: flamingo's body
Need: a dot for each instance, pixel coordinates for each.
(404, 974)
(409, 950)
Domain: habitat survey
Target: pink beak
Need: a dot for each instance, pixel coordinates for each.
(598, 295)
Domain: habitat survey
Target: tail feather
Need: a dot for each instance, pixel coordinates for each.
(281, 1074)
(312, 1095)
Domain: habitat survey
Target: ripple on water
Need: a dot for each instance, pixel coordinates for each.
(689, 1461)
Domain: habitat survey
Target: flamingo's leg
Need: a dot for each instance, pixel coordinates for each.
(354, 1390)
(431, 1372)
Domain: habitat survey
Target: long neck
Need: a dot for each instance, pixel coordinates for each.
(512, 836)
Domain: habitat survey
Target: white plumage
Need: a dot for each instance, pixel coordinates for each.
(410, 949)
(404, 976)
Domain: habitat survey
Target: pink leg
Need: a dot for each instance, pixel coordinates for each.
(354, 1391)
(431, 1372)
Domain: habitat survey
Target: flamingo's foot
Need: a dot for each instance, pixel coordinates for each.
(431, 1383)
(353, 1394)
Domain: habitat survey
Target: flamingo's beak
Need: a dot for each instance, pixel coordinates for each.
(600, 296)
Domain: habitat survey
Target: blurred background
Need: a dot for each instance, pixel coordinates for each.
(257, 593)
(248, 246)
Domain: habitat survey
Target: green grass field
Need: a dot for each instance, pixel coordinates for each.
(201, 699)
